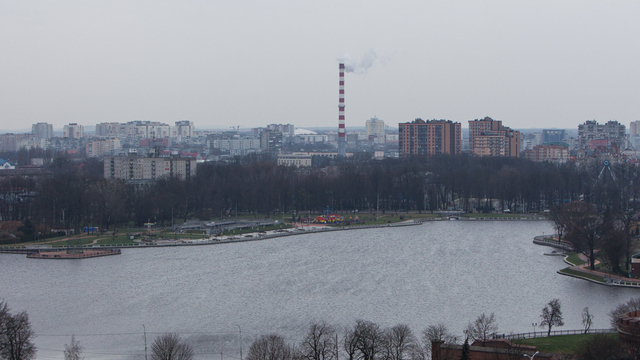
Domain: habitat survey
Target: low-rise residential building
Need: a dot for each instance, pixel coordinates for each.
(99, 148)
(5, 165)
(557, 154)
(295, 159)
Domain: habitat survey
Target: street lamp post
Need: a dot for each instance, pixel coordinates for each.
(531, 356)
(534, 328)
(240, 331)
(222, 349)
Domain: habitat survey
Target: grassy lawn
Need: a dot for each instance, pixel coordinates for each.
(585, 275)
(558, 344)
(256, 229)
(498, 215)
(575, 259)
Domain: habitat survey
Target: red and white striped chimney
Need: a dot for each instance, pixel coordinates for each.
(341, 128)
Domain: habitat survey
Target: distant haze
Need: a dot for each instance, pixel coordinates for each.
(251, 63)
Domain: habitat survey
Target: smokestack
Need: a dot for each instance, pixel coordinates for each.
(341, 129)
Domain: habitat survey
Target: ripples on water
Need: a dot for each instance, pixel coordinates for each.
(438, 272)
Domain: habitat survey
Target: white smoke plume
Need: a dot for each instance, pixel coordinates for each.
(358, 67)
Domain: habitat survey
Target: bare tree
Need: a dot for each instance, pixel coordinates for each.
(438, 333)
(4, 314)
(585, 229)
(587, 319)
(613, 244)
(349, 341)
(551, 315)
(16, 337)
(170, 347)
(559, 218)
(399, 343)
(483, 328)
(73, 351)
(319, 344)
(631, 305)
(369, 339)
(270, 347)
(601, 347)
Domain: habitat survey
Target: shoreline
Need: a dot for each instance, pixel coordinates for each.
(254, 236)
(210, 241)
(608, 279)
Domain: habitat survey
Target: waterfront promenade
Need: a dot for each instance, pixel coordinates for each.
(582, 271)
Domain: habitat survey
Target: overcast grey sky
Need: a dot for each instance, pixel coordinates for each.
(223, 63)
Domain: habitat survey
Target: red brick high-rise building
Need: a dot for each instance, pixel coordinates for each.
(487, 137)
(429, 137)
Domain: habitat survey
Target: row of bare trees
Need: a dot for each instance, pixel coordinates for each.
(365, 340)
(76, 195)
(606, 236)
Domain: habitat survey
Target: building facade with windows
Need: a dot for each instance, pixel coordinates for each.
(429, 137)
(553, 135)
(591, 130)
(98, 148)
(488, 137)
(557, 154)
(135, 167)
(184, 129)
(375, 127)
(73, 131)
(42, 130)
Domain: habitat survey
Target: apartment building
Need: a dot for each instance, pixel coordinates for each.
(135, 167)
(98, 148)
(557, 154)
(429, 137)
(42, 130)
(488, 137)
(73, 131)
(591, 130)
(375, 127)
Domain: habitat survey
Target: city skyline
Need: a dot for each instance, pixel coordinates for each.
(541, 64)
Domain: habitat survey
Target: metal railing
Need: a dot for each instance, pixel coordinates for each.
(539, 334)
(544, 240)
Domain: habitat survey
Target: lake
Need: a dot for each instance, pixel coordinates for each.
(446, 271)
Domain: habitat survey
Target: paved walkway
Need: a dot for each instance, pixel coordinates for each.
(585, 268)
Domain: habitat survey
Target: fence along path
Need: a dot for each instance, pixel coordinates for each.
(539, 334)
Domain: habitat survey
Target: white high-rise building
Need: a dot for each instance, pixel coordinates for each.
(634, 128)
(375, 127)
(184, 129)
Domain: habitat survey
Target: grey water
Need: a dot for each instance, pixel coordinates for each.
(450, 272)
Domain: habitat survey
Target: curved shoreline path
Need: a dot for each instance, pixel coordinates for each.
(582, 271)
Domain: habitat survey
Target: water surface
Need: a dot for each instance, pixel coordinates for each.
(447, 272)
